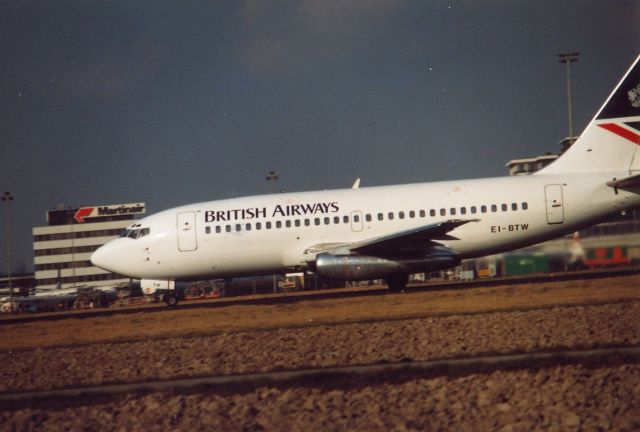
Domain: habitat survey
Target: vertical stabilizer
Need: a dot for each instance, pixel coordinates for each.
(611, 141)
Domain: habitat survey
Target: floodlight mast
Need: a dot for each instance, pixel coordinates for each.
(567, 59)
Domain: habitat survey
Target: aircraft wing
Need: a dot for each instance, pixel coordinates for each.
(632, 182)
(415, 239)
(408, 241)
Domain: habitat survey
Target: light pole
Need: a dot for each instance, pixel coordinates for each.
(271, 177)
(7, 198)
(567, 59)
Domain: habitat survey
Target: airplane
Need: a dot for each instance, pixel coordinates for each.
(389, 232)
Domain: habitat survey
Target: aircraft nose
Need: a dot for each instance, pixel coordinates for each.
(103, 257)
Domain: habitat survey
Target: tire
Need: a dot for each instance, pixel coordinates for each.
(171, 300)
(397, 282)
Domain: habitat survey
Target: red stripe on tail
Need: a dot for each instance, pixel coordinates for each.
(620, 131)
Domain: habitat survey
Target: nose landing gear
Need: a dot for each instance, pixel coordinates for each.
(170, 298)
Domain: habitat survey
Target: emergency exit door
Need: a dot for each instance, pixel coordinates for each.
(187, 240)
(555, 206)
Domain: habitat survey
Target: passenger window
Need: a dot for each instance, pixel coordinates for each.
(412, 214)
(307, 222)
(356, 218)
(228, 228)
(336, 220)
(474, 210)
(483, 209)
(443, 212)
(423, 213)
(267, 225)
(390, 215)
(514, 206)
(327, 221)
(287, 224)
(316, 221)
(278, 224)
(525, 206)
(368, 217)
(463, 210)
(504, 207)
(297, 222)
(218, 229)
(248, 227)
(380, 217)
(494, 208)
(258, 225)
(453, 211)
(432, 212)
(238, 227)
(401, 215)
(345, 219)
(207, 230)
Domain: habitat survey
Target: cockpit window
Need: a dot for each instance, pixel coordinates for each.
(135, 233)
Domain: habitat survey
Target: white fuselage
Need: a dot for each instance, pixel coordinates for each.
(279, 232)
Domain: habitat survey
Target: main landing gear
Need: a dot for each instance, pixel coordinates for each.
(397, 282)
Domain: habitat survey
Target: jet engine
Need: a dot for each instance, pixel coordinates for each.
(362, 267)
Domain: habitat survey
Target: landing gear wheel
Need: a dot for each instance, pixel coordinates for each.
(397, 282)
(171, 299)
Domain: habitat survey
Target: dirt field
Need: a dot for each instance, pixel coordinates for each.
(348, 331)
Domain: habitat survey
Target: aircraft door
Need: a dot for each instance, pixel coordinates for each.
(554, 203)
(356, 221)
(187, 240)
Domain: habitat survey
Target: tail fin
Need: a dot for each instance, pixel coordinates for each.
(611, 141)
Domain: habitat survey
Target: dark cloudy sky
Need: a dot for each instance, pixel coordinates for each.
(172, 102)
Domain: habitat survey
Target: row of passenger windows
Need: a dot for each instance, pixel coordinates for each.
(77, 235)
(79, 279)
(452, 211)
(66, 250)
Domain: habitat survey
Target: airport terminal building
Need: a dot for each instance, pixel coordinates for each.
(63, 248)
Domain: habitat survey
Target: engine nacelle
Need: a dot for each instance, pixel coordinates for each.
(362, 267)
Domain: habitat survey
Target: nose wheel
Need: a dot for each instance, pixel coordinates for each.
(171, 299)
